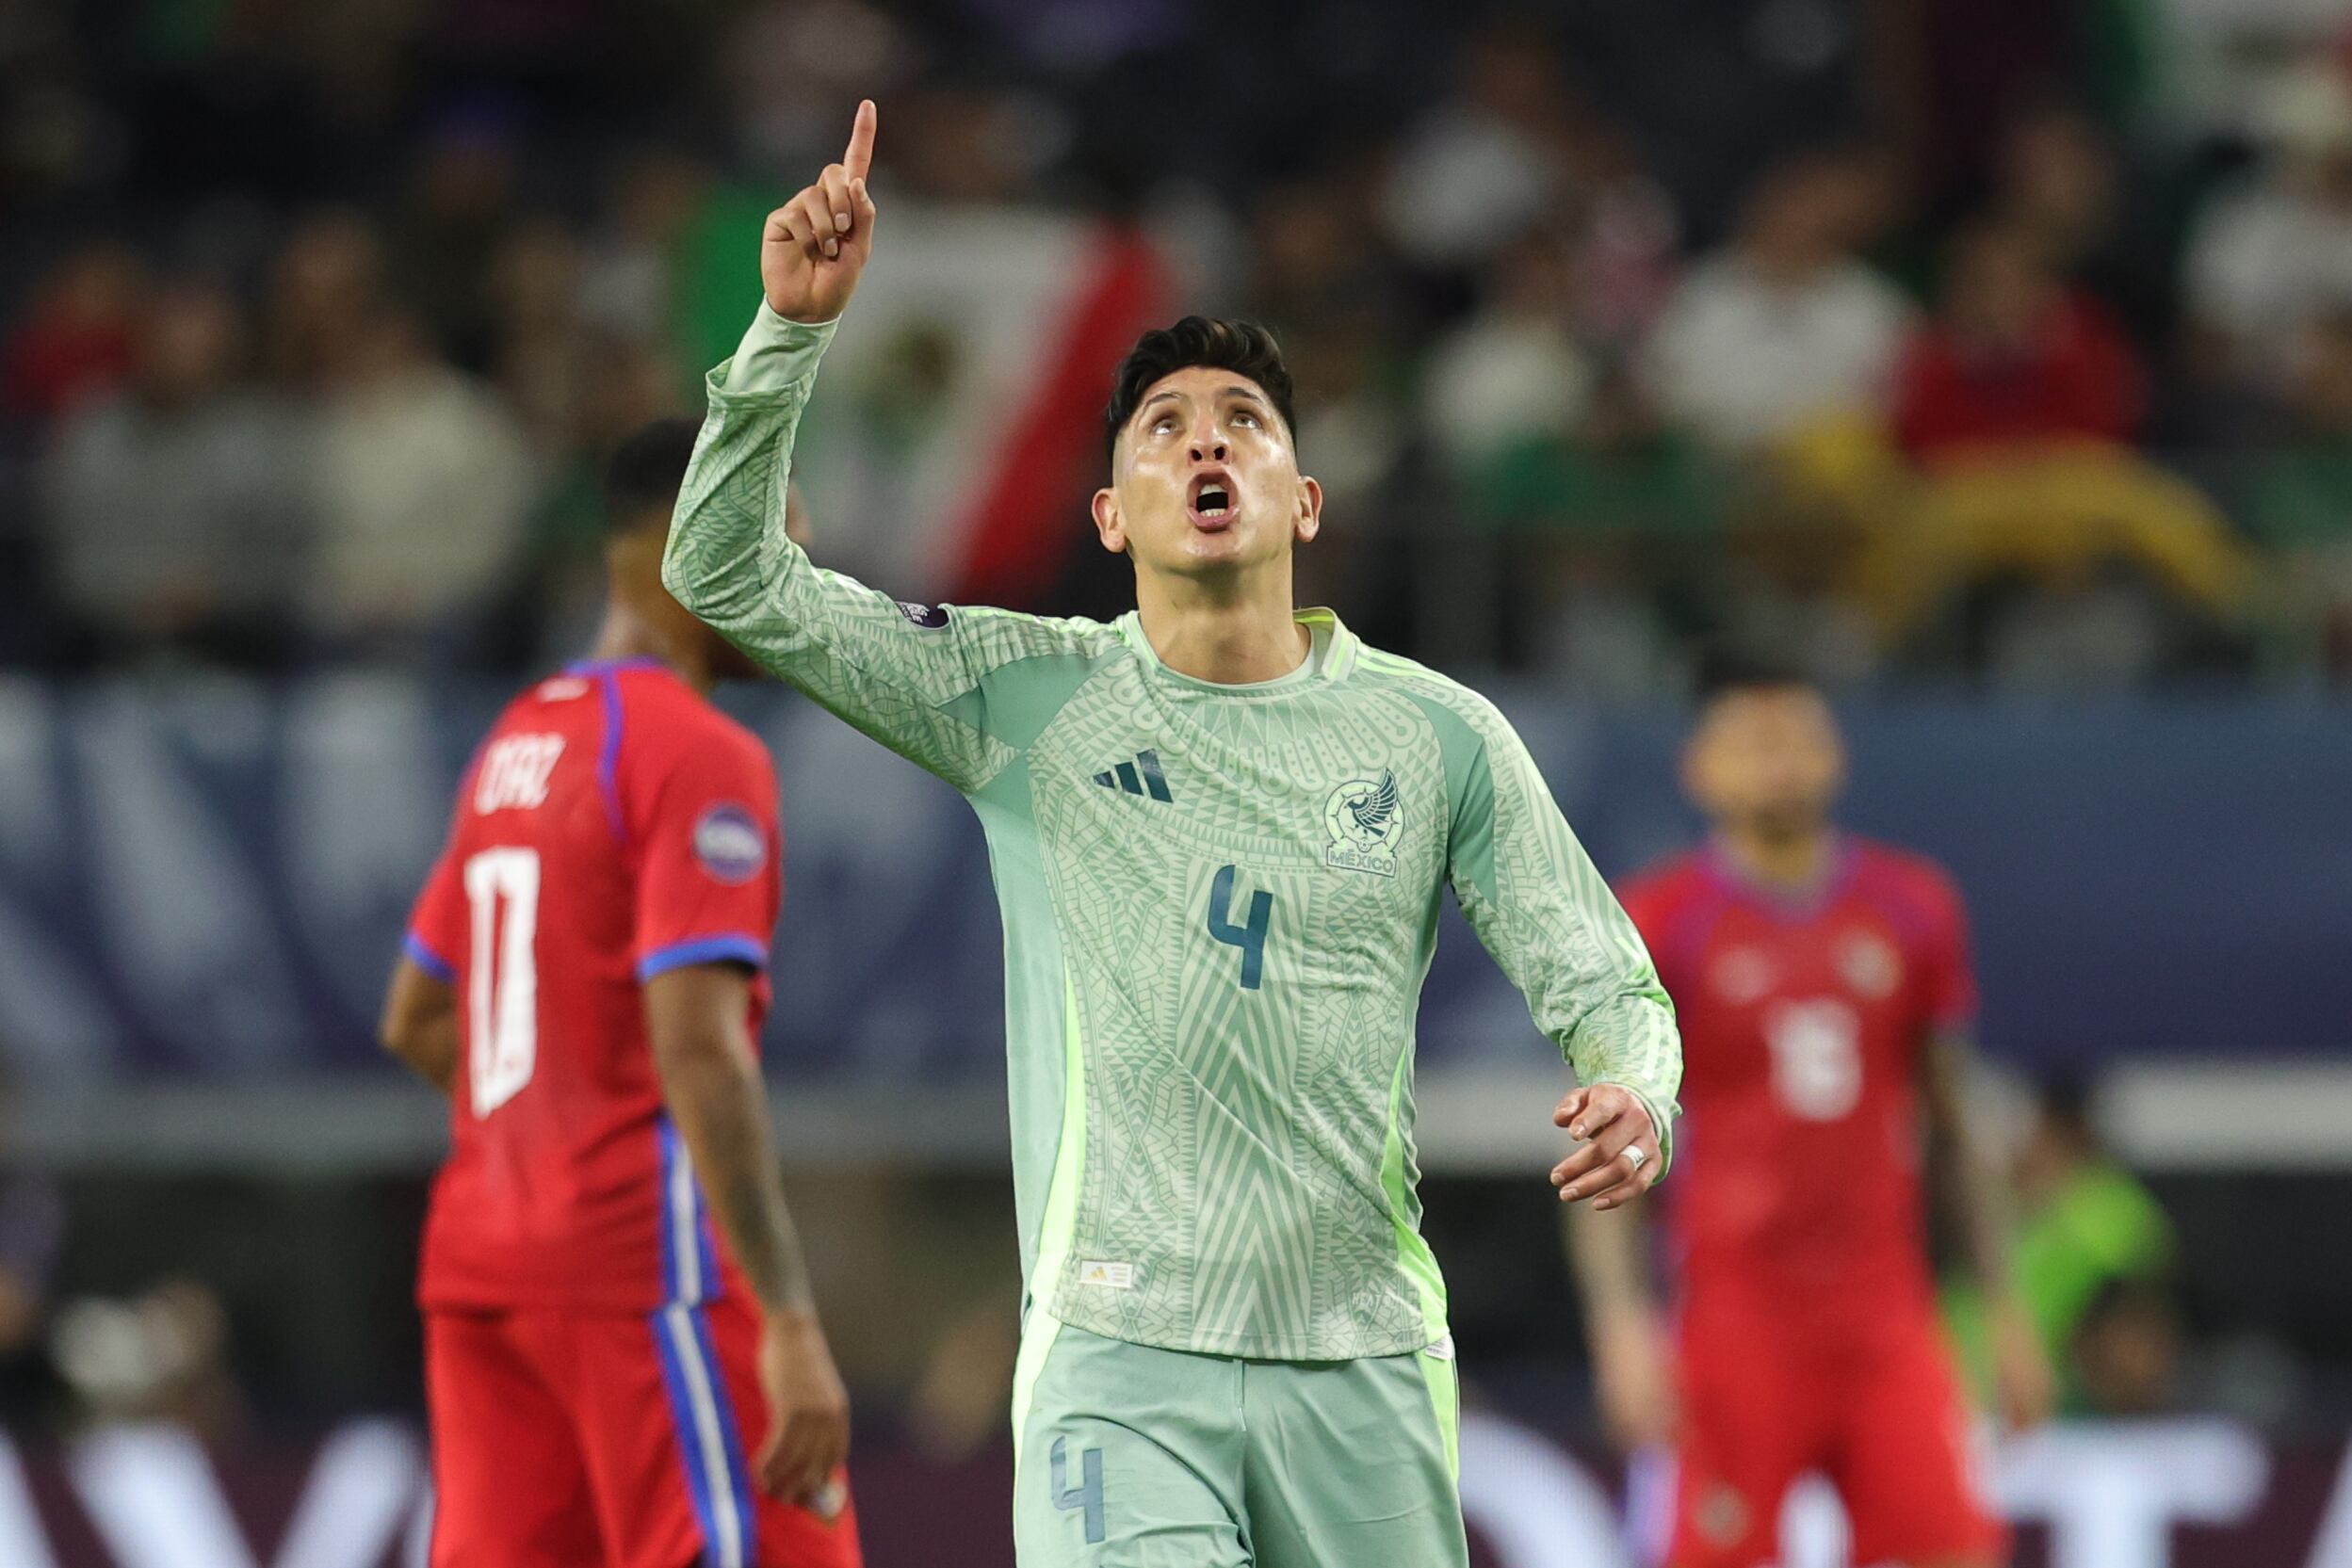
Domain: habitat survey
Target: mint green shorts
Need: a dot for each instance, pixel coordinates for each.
(1132, 1457)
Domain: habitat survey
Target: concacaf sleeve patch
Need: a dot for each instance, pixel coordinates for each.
(730, 843)
(934, 616)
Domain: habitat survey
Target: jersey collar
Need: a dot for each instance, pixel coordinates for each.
(613, 667)
(1331, 658)
(1787, 903)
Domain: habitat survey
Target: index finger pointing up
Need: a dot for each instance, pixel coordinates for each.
(861, 153)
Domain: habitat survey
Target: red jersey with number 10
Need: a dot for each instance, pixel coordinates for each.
(614, 825)
(1798, 1162)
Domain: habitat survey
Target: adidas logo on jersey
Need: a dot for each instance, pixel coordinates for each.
(1144, 776)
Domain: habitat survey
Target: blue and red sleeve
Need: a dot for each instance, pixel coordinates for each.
(700, 800)
(1949, 961)
(437, 924)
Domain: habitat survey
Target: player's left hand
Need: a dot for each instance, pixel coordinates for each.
(2023, 1383)
(813, 249)
(1607, 1119)
(808, 1415)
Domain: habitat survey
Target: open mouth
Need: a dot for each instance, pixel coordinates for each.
(1212, 501)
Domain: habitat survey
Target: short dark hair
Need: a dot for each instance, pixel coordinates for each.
(1731, 672)
(645, 472)
(1243, 347)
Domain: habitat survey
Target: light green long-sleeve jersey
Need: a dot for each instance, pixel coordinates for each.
(1219, 906)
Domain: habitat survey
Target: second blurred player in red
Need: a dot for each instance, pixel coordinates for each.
(1826, 995)
(609, 1381)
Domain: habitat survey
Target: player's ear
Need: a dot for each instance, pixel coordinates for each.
(1109, 523)
(1309, 521)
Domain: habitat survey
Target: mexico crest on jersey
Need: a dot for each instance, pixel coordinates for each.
(1364, 821)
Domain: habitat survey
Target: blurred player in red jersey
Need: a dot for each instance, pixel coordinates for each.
(585, 975)
(1825, 993)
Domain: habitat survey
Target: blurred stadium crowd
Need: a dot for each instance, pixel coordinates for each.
(2016, 345)
(1994, 344)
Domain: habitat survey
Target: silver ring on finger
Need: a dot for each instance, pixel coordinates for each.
(1637, 1155)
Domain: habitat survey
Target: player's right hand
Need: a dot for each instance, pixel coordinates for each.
(815, 246)
(808, 1415)
(1633, 1378)
(1607, 1120)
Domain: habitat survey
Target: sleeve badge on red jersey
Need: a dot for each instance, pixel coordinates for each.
(730, 843)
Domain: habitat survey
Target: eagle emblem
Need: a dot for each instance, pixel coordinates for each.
(1364, 819)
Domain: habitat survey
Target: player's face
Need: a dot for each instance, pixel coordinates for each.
(1204, 480)
(1766, 760)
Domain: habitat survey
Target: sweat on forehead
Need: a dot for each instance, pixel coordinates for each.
(1175, 389)
(1244, 349)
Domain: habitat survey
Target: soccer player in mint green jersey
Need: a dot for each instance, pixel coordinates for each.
(1221, 827)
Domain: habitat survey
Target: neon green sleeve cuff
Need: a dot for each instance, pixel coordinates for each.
(776, 354)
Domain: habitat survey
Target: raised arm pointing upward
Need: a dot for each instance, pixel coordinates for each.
(1220, 828)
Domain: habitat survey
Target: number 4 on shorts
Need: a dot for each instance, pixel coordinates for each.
(1087, 1493)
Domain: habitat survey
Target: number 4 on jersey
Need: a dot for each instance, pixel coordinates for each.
(1250, 936)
